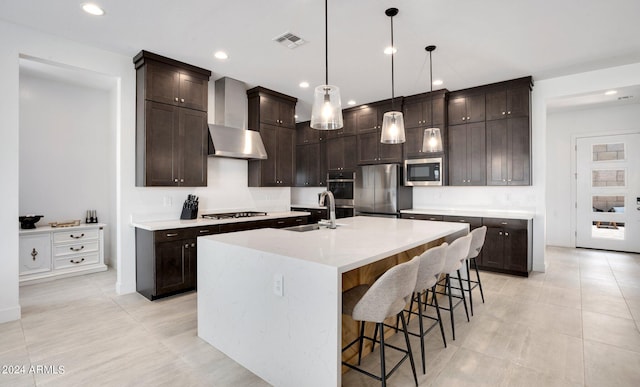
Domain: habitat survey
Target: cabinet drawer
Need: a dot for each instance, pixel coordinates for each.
(172, 234)
(508, 223)
(422, 217)
(74, 235)
(75, 248)
(473, 221)
(206, 230)
(287, 222)
(76, 260)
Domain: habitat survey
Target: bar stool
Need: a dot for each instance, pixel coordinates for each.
(457, 253)
(387, 297)
(431, 265)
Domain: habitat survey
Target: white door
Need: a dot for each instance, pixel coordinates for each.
(608, 192)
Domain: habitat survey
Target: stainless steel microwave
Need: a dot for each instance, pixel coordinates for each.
(419, 172)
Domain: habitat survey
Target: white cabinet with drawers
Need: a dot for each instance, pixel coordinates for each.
(47, 253)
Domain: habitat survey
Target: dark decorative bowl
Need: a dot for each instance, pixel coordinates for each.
(29, 221)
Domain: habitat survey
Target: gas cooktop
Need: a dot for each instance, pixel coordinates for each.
(229, 215)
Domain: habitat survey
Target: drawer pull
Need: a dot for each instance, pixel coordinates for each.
(412, 217)
(72, 249)
(504, 223)
(76, 237)
(76, 262)
(193, 245)
(298, 220)
(462, 220)
(172, 234)
(506, 234)
(203, 231)
(281, 222)
(433, 219)
(34, 253)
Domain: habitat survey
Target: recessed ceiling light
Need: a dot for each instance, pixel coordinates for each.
(92, 9)
(611, 92)
(389, 50)
(351, 102)
(221, 55)
(437, 82)
(304, 85)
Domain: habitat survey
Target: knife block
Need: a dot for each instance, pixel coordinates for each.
(189, 213)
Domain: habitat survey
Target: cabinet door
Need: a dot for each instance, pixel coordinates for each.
(193, 92)
(269, 110)
(269, 134)
(161, 139)
(515, 249)
(335, 153)
(307, 165)
(493, 249)
(162, 83)
(287, 114)
(389, 153)
(496, 103)
(305, 134)
(285, 156)
(350, 160)
(475, 108)
(457, 152)
(413, 146)
(172, 266)
(518, 152)
(457, 111)
(439, 111)
(518, 102)
(193, 138)
(367, 119)
(497, 152)
(413, 115)
(368, 147)
(35, 253)
(476, 155)
(322, 165)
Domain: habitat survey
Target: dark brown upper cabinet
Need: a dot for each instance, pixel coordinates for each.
(311, 164)
(270, 107)
(349, 122)
(466, 154)
(509, 99)
(341, 153)
(305, 134)
(171, 122)
(465, 107)
(273, 115)
(508, 152)
(369, 127)
(417, 111)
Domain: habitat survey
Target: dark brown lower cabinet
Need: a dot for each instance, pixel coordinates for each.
(506, 247)
(166, 260)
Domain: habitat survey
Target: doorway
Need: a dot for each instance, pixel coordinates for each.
(608, 192)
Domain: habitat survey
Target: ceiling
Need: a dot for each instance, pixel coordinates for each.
(478, 42)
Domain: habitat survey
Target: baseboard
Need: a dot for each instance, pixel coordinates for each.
(10, 314)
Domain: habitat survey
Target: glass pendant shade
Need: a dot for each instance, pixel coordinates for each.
(432, 140)
(326, 112)
(392, 128)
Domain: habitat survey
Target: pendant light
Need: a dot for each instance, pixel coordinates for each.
(432, 138)
(393, 121)
(326, 112)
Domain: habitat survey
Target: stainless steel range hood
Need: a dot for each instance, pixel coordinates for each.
(236, 143)
(228, 137)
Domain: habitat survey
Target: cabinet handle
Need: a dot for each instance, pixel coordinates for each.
(182, 180)
(468, 118)
(433, 219)
(464, 118)
(505, 223)
(203, 231)
(508, 179)
(172, 234)
(281, 222)
(298, 220)
(462, 220)
(72, 249)
(176, 99)
(500, 233)
(76, 237)
(503, 113)
(182, 100)
(508, 112)
(506, 234)
(193, 245)
(175, 180)
(186, 245)
(76, 262)
(34, 252)
(504, 180)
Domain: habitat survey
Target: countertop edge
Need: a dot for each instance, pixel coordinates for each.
(181, 223)
(506, 214)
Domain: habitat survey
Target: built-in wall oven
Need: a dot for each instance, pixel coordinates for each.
(341, 184)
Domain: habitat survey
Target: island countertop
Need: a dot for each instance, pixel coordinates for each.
(356, 242)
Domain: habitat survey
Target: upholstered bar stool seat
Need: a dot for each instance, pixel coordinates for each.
(387, 297)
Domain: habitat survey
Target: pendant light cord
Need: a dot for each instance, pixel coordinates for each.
(326, 44)
(392, 55)
(431, 85)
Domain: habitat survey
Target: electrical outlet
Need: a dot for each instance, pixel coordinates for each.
(278, 285)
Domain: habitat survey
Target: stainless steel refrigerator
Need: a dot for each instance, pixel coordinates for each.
(379, 191)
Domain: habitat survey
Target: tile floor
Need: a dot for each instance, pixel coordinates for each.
(575, 325)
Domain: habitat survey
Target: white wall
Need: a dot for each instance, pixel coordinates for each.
(65, 151)
(562, 128)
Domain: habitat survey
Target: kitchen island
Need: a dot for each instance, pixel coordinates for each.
(271, 298)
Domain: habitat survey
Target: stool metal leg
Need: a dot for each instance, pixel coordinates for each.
(464, 299)
(406, 338)
(475, 265)
(424, 369)
(453, 327)
(435, 299)
(361, 340)
(382, 365)
(469, 287)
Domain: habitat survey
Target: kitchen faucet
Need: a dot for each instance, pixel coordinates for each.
(332, 207)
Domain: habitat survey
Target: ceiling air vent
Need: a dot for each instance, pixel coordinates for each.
(289, 40)
(625, 97)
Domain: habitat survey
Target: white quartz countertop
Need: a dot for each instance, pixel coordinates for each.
(481, 213)
(356, 242)
(40, 229)
(179, 223)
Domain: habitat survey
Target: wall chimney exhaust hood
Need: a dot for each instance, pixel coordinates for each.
(228, 137)
(237, 143)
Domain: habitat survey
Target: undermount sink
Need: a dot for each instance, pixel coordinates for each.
(303, 227)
